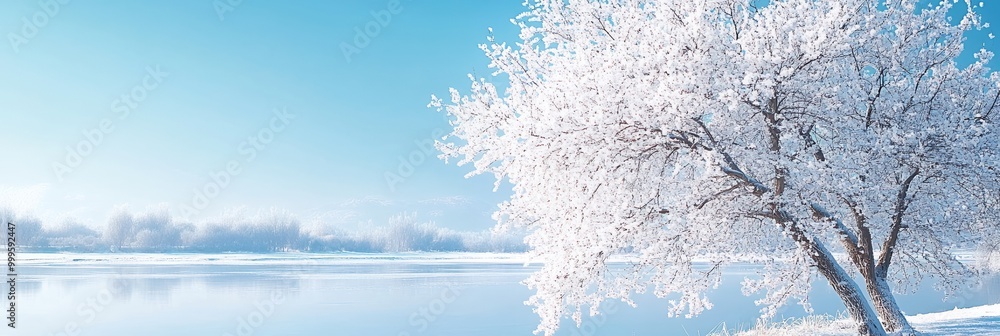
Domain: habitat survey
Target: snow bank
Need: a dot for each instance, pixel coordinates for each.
(294, 258)
(981, 320)
(988, 311)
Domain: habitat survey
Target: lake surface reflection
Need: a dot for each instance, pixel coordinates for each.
(352, 294)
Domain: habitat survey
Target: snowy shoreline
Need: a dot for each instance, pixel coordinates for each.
(292, 258)
(979, 320)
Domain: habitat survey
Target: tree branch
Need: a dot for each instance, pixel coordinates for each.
(731, 168)
(848, 237)
(889, 246)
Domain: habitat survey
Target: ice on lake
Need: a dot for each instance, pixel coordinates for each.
(354, 294)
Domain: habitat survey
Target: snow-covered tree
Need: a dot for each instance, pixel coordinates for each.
(153, 230)
(787, 133)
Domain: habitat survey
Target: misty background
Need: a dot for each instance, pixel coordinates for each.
(155, 230)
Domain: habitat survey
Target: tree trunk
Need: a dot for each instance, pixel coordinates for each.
(846, 288)
(875, 279)
(885, 305)
(848, 291)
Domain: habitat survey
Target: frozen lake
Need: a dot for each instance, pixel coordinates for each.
(350, 294)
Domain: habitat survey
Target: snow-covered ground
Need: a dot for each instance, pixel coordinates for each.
(981, 320)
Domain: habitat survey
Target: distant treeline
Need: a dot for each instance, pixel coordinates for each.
(274, 231)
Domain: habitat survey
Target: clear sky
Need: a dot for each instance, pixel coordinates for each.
(221, 81)
(202, 81)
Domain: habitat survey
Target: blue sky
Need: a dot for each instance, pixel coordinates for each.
(220, 80)
(223, 80)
